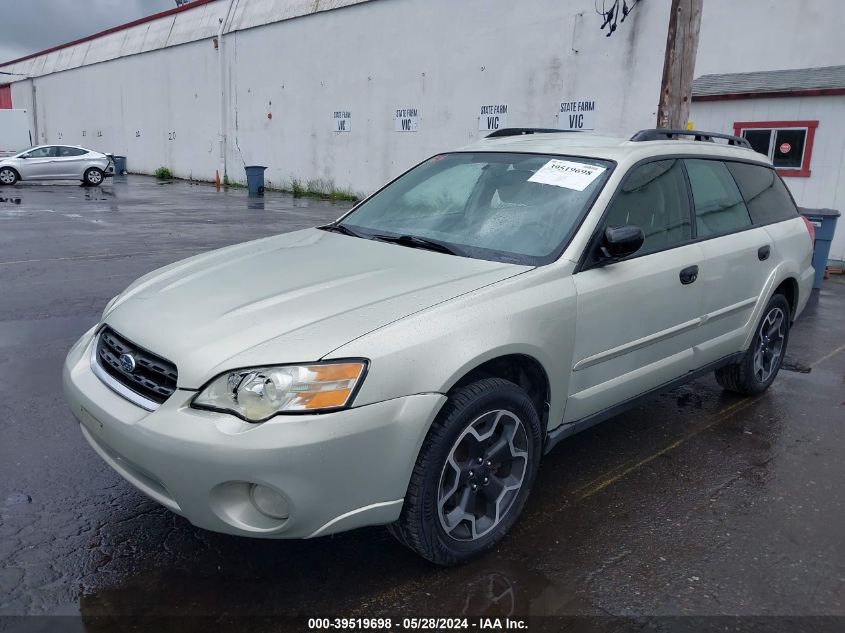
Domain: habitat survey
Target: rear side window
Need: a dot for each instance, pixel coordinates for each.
(654, 198)
(71, 151)
(719, 207)
(766, 196)
(43, 152)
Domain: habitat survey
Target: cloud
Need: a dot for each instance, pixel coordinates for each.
(29, 26)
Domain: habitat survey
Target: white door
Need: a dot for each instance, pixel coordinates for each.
(69, 162)
(38, 164)
(638, 319)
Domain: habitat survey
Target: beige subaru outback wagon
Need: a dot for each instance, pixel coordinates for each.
(409, 364)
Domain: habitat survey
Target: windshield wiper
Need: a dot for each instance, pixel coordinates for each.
(342, 229)
(416, 242)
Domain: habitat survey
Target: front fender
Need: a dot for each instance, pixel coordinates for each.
(531, 314)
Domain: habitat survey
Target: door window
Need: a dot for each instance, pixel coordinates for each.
(42, 152)
(719, 207)
(654, 197)
(67, 152)
(765, 195)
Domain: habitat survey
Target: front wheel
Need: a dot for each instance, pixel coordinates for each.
(8, 176)
(93, 177)
(473, 474)
(757, 369)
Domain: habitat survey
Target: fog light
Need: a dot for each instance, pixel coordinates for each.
(269, 502)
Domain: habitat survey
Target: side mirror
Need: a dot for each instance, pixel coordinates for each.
(621, 241)
(25, 156)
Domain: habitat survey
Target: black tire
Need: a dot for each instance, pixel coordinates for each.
(420, 526)
(8, 176)
(744, 377)
(93, 177)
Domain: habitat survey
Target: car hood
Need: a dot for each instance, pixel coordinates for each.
(284, 299)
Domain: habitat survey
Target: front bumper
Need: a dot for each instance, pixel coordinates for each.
(337, 471)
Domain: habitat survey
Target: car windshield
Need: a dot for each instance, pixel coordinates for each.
(519, 208)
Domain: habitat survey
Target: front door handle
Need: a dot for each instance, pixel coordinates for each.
(763, 252)
(688, 275)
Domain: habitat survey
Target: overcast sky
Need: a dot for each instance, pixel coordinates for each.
(27, 26)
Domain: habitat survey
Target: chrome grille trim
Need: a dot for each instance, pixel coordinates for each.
(156, 367)
(114, 385)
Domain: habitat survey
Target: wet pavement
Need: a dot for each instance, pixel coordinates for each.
(697, 503)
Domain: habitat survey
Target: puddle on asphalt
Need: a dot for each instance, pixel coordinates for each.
(16, 498)
(98, 194)
(10, 200)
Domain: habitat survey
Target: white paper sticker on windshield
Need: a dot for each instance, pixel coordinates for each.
(565, 173)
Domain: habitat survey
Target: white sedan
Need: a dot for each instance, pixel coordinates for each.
(57, 162)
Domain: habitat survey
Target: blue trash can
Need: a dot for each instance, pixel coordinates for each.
(824, 222)
(119, 165)
(255, 179)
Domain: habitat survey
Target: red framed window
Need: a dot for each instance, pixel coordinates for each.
(6, 97)
(789, 144)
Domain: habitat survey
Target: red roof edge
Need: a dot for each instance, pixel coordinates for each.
(114, 29)
(809, 92)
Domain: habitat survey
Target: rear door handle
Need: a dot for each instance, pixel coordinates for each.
(688, 275)
(763, 252)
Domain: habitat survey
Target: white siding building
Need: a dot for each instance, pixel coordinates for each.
(796, 117)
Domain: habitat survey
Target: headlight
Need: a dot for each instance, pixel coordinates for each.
(258, 393)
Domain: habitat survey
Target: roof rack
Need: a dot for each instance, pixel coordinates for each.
(520, 131)
(662, 134)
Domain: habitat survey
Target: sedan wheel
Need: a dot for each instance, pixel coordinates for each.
(93, 177)
(8, 176)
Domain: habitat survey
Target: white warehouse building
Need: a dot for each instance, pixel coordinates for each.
(151, 90)
(353, 92)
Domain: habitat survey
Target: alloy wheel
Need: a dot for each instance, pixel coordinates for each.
(95, 177)
(767, 355)
(482, 476)
(7, 177)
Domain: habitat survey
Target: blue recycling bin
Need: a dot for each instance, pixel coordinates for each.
(255, 179)
(824, 222)
(119, 165)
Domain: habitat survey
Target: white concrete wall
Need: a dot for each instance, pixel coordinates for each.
(825, 187)
(749, 35)
(443, 57)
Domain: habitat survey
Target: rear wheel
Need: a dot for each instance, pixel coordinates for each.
(8, 176)
(473, 474)
(93, 177)
(757, 369)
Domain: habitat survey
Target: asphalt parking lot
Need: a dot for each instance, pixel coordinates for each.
(697, 503)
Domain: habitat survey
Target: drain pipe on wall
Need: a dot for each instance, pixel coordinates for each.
(221, 171)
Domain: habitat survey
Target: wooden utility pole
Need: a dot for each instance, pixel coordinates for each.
(679, 64)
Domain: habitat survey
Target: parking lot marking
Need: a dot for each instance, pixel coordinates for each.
(597, 486)
(830, 355)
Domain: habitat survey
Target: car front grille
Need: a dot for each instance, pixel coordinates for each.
(142, 372)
